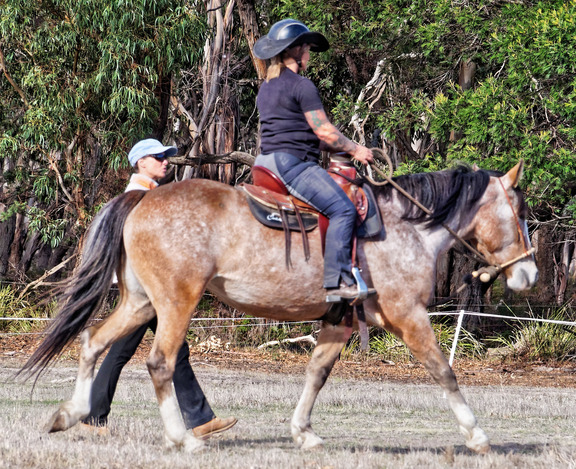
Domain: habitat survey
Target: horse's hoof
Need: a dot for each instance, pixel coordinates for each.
(318, 445)
(194, 445)
(309, 441)
(59, 422)
(478, 442)
(190, 444)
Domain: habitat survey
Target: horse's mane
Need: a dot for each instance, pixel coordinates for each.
(444, 193)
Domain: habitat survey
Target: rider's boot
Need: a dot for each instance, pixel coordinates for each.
(353, 294)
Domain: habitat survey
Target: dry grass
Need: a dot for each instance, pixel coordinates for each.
(365, 424)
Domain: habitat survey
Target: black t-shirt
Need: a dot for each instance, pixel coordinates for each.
(282, 103)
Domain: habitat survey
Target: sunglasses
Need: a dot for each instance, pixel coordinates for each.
(161, 157)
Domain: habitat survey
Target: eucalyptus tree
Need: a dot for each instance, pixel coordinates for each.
(83, 80)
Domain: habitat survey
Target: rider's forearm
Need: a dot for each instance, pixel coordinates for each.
(331, 138)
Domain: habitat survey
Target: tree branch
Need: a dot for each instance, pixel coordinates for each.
(307, 338)
(9, 78)
(249, 19)
(182, 112)
(39, 281)
(232, 157)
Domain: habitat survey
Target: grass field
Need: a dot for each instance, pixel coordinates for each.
(365, 424)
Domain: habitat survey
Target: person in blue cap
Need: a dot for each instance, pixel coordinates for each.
(294, 130)
(149, 158)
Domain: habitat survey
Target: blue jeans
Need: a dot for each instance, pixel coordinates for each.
(307, 181)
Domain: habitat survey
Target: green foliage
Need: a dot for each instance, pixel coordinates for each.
(86, 80)
(52, 231)
(541, 341)
(388, 347)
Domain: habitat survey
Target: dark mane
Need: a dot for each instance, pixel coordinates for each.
(445, 193)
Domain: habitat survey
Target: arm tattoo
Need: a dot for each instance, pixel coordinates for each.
(327, 133)
(318, 119)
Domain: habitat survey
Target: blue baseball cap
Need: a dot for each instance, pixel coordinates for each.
(150, 146)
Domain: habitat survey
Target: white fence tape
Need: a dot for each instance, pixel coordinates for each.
(436, 313)
(498, 316)
(460, 314)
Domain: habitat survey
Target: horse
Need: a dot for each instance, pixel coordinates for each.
(168, 246)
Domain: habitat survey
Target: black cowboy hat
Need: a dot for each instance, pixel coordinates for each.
(285, 34)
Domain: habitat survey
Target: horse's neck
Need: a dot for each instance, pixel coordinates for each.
(435, 240)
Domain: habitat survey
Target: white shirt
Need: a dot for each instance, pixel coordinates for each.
(139, 182)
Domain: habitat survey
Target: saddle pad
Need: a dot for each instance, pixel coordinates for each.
(268, 213)
(372, 224)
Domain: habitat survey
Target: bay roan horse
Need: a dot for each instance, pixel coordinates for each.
(169, 245)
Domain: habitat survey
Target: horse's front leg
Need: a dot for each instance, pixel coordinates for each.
(420, 338)
(330, 343)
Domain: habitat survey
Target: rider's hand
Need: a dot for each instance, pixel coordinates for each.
(363, 154)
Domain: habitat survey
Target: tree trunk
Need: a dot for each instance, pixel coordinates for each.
(471, 298)
(465, 80)
(444, 276)
(249, 20)
(545, 240)
(7, 229)
(17, 245)
(216, 123)
(163, 92)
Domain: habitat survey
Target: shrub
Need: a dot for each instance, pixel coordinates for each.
(12, 306)
(543, 341)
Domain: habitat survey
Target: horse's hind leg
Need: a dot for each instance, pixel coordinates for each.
(133, 311)
(330, 343)
(173, 320)
(422, 342)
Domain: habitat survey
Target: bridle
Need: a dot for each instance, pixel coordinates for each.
(521, 233)
(485, 274)
(490, 272)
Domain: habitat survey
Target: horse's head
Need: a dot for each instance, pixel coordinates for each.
(500, 230)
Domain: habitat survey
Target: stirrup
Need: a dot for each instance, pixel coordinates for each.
(363, 291)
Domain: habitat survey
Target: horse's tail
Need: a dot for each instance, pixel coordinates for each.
(82, 295)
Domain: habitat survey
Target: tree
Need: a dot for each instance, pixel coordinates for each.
(83, 81)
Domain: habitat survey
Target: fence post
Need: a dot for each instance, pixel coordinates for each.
(456, 334)
(455, 341)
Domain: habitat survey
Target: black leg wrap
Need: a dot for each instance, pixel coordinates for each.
(336, 312)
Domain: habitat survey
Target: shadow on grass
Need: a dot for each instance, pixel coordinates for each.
(281, 442)
(502, 449)
(511, 448)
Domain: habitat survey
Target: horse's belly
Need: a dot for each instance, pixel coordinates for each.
(285, 302)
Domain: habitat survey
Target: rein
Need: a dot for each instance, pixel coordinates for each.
(485, 274)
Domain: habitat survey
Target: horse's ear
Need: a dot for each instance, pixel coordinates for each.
(512, 177)
(475, 167)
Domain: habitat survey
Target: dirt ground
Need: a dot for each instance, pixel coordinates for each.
(16, 349)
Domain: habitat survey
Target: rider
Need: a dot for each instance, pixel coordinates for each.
(294, 129)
